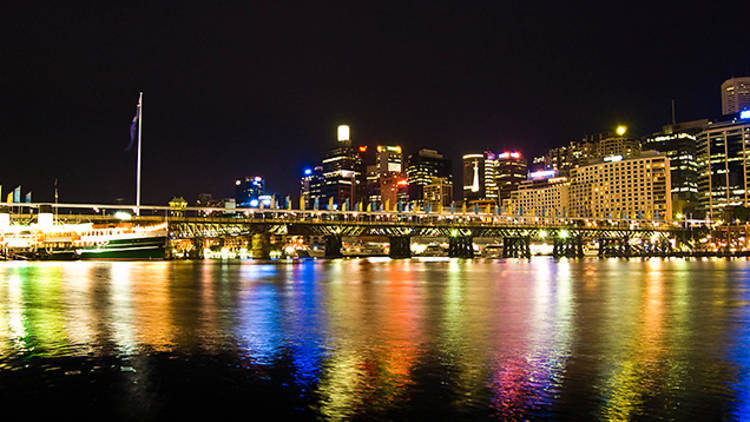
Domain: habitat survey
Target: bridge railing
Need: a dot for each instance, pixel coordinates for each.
(112, 212)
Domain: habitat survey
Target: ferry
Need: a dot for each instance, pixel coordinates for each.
(122, 241)
(85, 241)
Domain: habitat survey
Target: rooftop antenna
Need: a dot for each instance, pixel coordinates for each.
(673, 113)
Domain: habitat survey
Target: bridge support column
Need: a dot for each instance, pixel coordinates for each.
(461, 247)
(333, 247)
(261, 246)
(520, 247)
(197, 251)
(400, 247)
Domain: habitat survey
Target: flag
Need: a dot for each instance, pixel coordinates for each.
(17, 194)
(453, 207)
(9, 199)
(28, 197)
(1, 191)
(316, 204)
(134, 124)
(476, 208)
(302, 202)
(330, 204)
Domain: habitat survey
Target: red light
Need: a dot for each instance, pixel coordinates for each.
(402, 182)
(363, 148)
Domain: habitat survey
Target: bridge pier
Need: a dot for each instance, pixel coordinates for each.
(333, 247)
(517, 247)
(261, 246)
(197, 251)
(461, 247)
(568, 247)
(400, 247)
(615, 248)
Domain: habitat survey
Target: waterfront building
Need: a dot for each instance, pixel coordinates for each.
(389, 159)
(247, 190)
(311, 186)
(479, 177)
(373, 186)
(437, 193)
(735, 95)
(422, 168)
(723, 159)
(343, 173)
(510, 171)
(622, 187)
(678, 142)
(617, 145)
(542, 194)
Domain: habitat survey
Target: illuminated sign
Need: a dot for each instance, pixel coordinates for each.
(745, 114)
(308, 172)
(254, 202)
(394, 149)
(402, 182)
(507, 154)
(613, 158)
(363, 148)
(542, 174)
(343, 132)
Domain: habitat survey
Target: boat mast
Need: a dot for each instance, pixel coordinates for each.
(138, 177)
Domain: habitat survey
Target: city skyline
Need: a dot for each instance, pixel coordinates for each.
(221, 104)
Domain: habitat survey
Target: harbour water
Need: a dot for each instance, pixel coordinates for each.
(387, 339)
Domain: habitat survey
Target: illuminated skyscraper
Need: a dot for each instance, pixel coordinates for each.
(511, 170)
(735, 95)
(311, 186)
(343, 173)
(389, 158)
(247, 190)
(422, 168)
(723, 163)
(479, 177)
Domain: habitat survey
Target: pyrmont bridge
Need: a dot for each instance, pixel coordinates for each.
(612, 237)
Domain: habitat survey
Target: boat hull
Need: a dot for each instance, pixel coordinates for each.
(137, 248)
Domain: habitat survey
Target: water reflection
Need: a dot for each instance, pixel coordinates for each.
(501, 339)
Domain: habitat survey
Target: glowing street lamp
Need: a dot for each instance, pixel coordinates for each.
(621, 130)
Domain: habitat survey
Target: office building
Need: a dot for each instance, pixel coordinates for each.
(735, 95)
(389, 159)
(510, 170)
(311, 187)
(422, 168)
(622, 187)
(542, 194)
(723, 151)
(343, 173)
(247, 190)
(678, 142)
(438, 193)
(479, 177)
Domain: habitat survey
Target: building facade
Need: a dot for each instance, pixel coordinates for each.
(735, 95)
(511, 170)
(678, 142)
(422, 168)
(622, 187)
(542, 194)
(248, 190)
(479, 177)
(344, 176)
(723, 151)
(438, 193)
(311, 187)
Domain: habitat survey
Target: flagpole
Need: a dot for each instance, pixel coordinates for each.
(138, 180)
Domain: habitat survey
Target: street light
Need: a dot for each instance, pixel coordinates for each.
(621, 130)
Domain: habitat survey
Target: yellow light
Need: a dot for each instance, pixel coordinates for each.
(621, 130)
(343, 131)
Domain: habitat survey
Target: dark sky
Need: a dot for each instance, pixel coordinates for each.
(257, 89)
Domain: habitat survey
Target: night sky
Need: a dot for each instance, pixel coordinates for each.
(257, 89)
